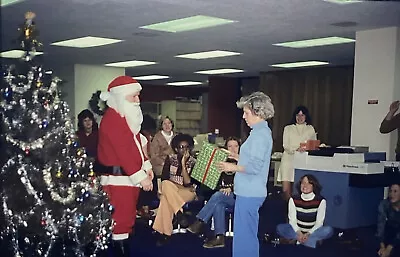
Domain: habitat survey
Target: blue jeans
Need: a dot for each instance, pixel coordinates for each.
(215, 207)
(286, 231)
(245, 226)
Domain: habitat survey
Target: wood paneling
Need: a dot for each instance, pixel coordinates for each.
(326, 92)
(222, 111)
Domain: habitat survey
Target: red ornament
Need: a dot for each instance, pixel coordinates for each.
(27, 151)
(43, 222)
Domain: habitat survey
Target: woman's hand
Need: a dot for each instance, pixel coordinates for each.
(226, 191)
(301, 149)
(185, 157)
(226, 166)
(299, 236)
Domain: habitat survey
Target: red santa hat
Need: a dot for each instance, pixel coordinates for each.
(122, 85)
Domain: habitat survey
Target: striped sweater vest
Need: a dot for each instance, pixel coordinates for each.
(306, 212)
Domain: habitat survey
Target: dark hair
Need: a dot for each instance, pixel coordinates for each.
(230, 139)
(149, 124)
(83, 115)
(182, 138)
(305, 111)
(317, 188)
(162, 121)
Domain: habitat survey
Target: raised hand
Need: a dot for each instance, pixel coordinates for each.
(394, 107)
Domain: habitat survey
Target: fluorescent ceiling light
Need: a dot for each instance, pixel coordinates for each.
(151, 77)
(343, 1)
(219, 71)
(84, 42)
(208, 54)
(316, 42)
(184, 83)
(299, 64)
(9, 2)
(129, 64)
(15, 54)
(189, 23)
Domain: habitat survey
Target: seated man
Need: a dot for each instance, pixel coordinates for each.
(306, 214)
(389, 223)
(221, 199)
(176, 187)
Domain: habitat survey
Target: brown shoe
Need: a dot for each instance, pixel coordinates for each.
(285, 241)
(196, 228)
(217, 242)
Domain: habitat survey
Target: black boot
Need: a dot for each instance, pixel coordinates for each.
(181, 219)
(197, 227)
(162, 239)
(121, 248)
(217, 242)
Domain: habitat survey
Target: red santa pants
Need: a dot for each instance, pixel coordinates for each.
(124, 200)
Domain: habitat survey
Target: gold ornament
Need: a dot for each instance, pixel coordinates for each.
(91, 173)
(39, 83)
(58, 174)
(30, 15)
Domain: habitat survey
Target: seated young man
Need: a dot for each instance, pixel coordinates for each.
(215, 207)
(306, 214)
(176, 187)
(389, 223)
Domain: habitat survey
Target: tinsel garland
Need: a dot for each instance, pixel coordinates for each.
(49, 193)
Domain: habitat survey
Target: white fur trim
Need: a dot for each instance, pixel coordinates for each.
(111, 180)
(105, 96)
(138, 177)
(126, 89)
(143, 140)
(120, 236)
(147, 165)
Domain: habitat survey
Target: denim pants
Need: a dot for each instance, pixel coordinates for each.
(245, 226)
(286, 231)
(215, 207)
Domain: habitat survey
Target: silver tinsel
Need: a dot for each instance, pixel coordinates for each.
(49, 193)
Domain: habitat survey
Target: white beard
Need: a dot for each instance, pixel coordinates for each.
(133, 115)
(131, 111)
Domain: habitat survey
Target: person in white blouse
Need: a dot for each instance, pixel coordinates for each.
(306, 215)
(298, 131)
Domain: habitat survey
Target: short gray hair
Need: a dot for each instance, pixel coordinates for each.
(259, 104)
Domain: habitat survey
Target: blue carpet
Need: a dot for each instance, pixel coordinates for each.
(360, 243)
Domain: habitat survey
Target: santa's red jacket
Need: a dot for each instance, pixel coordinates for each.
(119, 147)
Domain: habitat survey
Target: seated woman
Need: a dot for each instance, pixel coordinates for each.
(221, 199)
(389, 223)
(176, 187)
(306, 214)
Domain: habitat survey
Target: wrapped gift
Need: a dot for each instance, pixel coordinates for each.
(205, 170)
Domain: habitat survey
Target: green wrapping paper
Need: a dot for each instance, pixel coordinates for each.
(205, 170)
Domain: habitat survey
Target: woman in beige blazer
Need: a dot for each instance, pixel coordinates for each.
(160, 146)
(298, 131)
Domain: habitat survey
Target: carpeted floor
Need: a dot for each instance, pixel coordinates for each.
(358, 243)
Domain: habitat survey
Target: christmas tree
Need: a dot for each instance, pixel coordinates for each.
(51, 202)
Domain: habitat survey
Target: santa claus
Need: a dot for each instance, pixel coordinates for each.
(125, 167)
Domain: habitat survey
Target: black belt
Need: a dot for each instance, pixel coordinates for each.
(101, 169)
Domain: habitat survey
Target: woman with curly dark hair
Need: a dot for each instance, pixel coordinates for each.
(88, 132)
(176, 187)
(306, 214)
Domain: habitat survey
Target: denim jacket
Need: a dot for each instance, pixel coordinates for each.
(388, 216)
